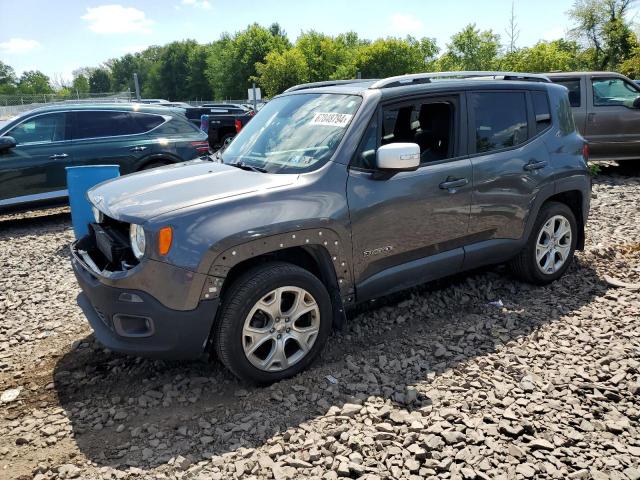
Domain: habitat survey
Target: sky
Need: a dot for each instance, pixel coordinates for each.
(57, 37)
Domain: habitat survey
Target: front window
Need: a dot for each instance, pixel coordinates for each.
(293, 134)
(40, 129)
(613, 91)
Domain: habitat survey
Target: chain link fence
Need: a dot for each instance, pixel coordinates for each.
(11, 105)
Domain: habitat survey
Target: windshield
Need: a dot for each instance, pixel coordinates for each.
(293, 134)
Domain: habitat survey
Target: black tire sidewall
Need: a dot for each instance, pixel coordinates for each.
(548, 211)
(230, 338)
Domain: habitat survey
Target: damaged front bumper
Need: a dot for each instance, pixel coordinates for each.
(154, 309)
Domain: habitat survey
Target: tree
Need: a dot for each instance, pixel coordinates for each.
(512, 31)
(197, 82)
(34, 82)
(395, 56)
(100, 81)
(471, 49)
(80, 84)
(282, 70)
(603, 29)
(231, 65)
(7, 79)
(559, 55)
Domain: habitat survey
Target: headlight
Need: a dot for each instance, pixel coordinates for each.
(138, 242)
(97, 215)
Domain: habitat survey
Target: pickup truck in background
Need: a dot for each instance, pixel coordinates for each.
(225, 121)
(606, 109)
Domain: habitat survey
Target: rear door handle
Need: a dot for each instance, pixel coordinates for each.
(139, 148)
(56, 156)
(452, 183)
(535, 165)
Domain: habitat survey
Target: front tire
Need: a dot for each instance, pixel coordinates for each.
(551, 245)
(275, 320)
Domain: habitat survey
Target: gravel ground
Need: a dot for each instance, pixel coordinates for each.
(478, 376)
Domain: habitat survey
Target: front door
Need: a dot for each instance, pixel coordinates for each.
(613, 123)
(408, 227)
(35, 169)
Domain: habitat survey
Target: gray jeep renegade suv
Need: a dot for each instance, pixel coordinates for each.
(334, 194)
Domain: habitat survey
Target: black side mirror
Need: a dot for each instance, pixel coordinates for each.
(7, 143)
(636, 103)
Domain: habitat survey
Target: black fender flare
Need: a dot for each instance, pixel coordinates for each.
(323, 244)
(580, 183)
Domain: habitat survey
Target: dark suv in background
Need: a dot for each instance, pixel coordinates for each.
(334, 194)
(36, 147)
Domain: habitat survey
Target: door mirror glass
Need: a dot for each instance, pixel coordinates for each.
(398, 156)
(636, 103)
(7, 143)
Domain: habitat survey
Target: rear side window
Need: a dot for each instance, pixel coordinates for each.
(500, 120)
(143, 122)
(97, 124)
(42, 128)
(541, 110)
(573, 85)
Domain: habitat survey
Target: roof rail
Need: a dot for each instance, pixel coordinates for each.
(417, 78)
(327, 83)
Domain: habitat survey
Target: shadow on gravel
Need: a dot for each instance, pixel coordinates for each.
(198, 410)
(19, 225)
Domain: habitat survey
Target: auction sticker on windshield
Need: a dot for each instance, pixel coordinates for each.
(332, 119)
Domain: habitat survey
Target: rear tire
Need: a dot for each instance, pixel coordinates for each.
(156, 164)
(550, 247)
(261, 335)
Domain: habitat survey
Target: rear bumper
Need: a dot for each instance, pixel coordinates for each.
(134, 322)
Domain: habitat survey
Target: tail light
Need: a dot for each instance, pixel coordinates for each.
(585, 152)
(252, 113)
(238, 126)
(201, 147)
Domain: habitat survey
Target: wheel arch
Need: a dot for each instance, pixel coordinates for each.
(318, 251)
(575, 199)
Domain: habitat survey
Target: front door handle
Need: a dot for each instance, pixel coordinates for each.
(535, 165)
(56, 156)
(139, 148)
(452, 183)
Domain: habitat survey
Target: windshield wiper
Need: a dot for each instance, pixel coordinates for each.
(246, 166)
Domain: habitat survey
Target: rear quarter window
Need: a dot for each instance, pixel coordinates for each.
(541, 110)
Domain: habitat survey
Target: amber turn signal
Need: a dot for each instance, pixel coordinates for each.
(165, 236)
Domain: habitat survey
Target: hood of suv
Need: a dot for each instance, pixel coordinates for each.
(144, 195)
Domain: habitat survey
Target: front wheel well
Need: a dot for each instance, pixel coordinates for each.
(312, 258)
(572, 199)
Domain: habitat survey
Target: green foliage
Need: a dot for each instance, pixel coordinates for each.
(393, 56)
(603, 29)
(594, 169)
(602, 38)
(80, 84)
(8, 79)
(100, 81)
(233, 59)
(471, 49)
(282, 70)
(34, 82)
(558, 55)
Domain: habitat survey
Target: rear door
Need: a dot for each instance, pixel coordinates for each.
(35, 169)
(613, 124)
(114, 137)
(510, 163)
(577, 86)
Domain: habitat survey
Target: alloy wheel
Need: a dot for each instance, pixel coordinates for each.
(281, 328)
(553, 245)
